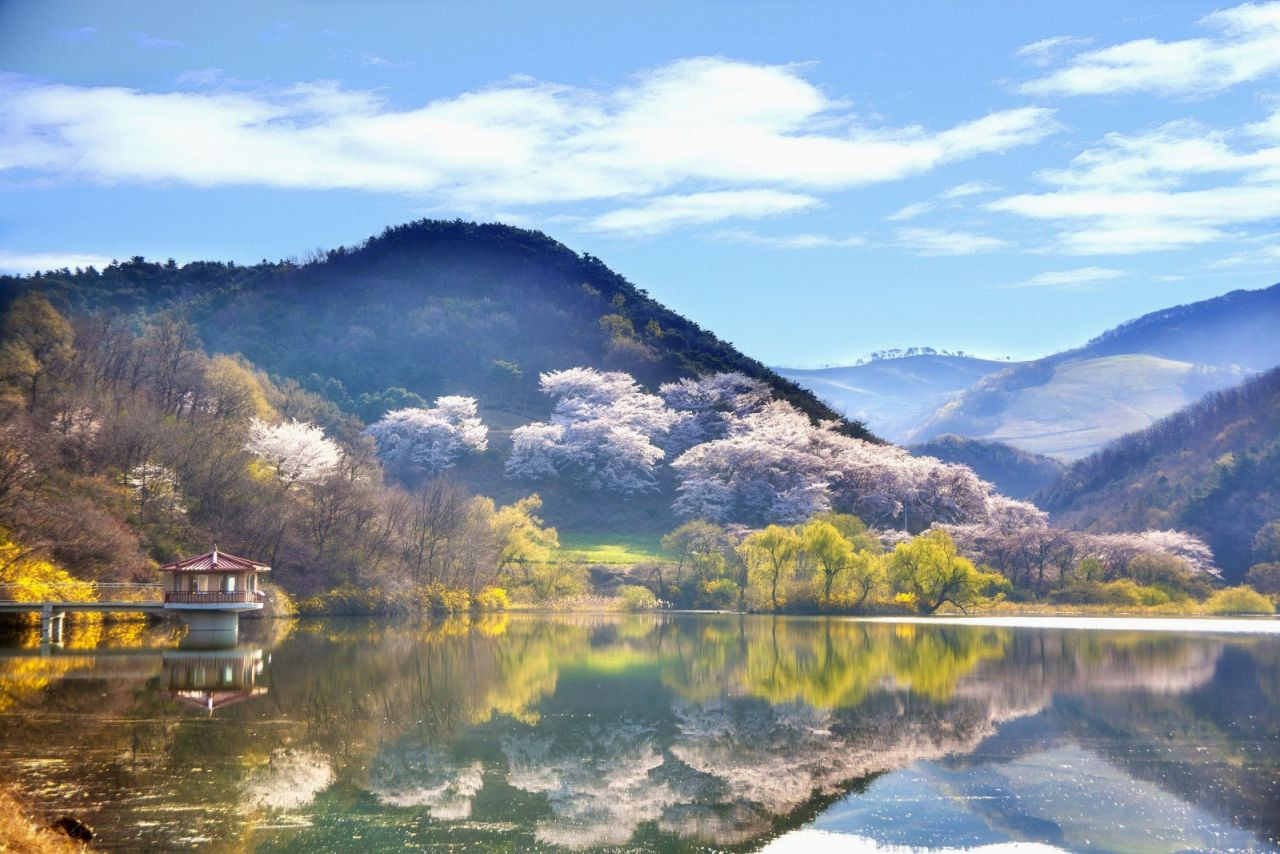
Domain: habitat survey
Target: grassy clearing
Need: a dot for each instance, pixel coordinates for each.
(611, 549)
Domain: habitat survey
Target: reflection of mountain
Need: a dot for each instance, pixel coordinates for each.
(662, 732)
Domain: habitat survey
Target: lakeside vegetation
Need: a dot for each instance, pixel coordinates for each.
(127, 445)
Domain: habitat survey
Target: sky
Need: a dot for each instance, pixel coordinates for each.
(812, 181)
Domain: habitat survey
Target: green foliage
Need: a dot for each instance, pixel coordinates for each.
(491, 599)
(36, 349)
(770, 558)
(1266, 543)
(929, 569)
(1239, 600)
(637, 598)
(1264, 577)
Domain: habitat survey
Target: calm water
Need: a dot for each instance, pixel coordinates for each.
(646, 733)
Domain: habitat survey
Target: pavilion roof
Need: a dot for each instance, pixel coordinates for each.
(213, 561)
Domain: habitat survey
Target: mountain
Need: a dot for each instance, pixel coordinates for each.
(1016, 473)
(1212, 469)
(1070, 408)
(894, 394)
(428, 309)
(1071, 403)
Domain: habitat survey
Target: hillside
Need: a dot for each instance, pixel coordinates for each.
(1069, 404)
(1237, 328)
(427, 309)
(1212, 469)
(1069, 409)
(1016, 473)
(893, 396)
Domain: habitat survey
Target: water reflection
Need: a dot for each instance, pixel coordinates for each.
(644, 732)
(214, 678)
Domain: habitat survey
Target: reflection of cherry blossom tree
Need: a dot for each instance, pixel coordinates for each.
(297, 452)
(430, 440)
(601, 783)
(425, 777)
(290, 779)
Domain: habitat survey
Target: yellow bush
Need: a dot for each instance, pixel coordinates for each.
(1238, 600)
(491, 599)
(29, 579)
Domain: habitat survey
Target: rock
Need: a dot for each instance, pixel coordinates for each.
(75, 828)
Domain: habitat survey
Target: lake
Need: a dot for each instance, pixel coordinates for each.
(652, 732)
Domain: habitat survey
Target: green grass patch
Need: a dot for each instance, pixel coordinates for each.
(611, 549)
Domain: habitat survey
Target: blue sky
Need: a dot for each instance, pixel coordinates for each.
(813, 181)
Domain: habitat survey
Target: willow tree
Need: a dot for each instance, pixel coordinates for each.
(770, 558)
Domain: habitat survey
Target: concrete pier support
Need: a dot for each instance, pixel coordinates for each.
(51, 625)
(210, 629)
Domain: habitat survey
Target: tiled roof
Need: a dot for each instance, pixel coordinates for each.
(215, 560)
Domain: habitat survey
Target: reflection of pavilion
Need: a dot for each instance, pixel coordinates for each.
(213, 679)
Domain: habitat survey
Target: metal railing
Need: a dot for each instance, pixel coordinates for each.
(211, 597)
(82, 592)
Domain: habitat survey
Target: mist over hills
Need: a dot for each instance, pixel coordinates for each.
(898, 394)
(1072, 403)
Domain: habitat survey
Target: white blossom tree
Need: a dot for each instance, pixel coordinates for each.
(708, 406)
(430, 440)
(295, 451)
(604, 432)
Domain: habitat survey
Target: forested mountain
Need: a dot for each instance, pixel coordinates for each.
(1212, 469)
(429, 309)
(894, 395)
(1016, 473)
(1071, 403)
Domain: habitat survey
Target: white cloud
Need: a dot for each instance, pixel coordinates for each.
(972, 188)
(932, 241)
(693, 126)
(663, 213)
(1245, 47)
(1045, 51)
(144, 40)
(1079, 279)
(910, 211)
(22, 263)
(791, 241)
(1177, 186)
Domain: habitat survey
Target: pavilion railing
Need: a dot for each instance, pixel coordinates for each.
(212, 597)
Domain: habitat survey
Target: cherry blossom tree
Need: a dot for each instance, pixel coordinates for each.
(430, 440)
(708, 406)
(295, 451)
(604, 432)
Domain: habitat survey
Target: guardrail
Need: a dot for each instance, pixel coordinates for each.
(109, 591)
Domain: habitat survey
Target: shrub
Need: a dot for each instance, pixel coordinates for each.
(720, 594)
(1264, 577)
(1239, 600)
(637, 598)
(455, 601)
(491, 599)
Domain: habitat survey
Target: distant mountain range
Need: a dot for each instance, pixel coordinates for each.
(1072, 403)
